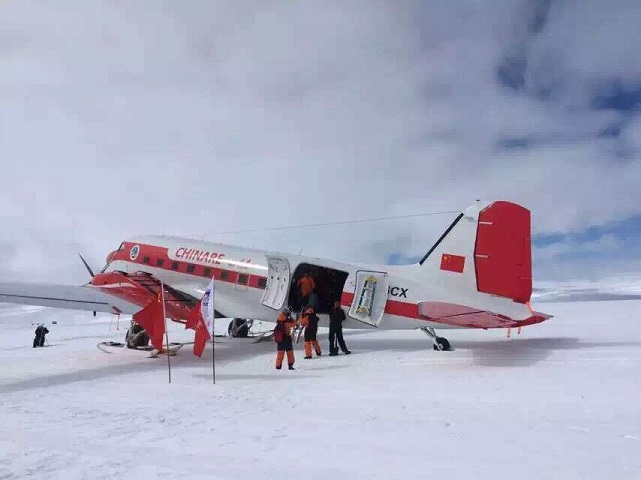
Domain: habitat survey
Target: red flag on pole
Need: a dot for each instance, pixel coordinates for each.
(151, 318)
(197, 322)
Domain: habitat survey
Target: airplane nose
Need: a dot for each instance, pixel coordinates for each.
(110, 257)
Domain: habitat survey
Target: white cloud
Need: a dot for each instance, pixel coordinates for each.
(200, 117)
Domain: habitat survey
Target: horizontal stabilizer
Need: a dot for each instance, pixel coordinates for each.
(462, 316)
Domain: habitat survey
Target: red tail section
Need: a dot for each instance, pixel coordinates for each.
(502, 254)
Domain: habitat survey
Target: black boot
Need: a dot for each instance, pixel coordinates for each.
(291, 367)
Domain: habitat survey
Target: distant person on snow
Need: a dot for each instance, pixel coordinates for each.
(336, 318)
(283, 338)
(310, 322)
(39, 339)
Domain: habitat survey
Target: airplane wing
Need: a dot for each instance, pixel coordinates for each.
(111, 292)
(73, 297)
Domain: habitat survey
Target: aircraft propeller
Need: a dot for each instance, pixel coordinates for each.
(89, 269)
(86, 265)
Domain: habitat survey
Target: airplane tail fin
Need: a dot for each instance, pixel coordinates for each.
(486, 249)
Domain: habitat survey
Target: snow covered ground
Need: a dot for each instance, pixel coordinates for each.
(559, 401)
(621, 287)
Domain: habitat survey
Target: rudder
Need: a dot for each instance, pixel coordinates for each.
(503, 252)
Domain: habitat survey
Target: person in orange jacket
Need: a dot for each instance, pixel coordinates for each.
(283, 338)
(306, 285)
(309, 320)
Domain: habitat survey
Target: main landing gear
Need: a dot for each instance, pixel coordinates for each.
(440, 343)
(239, 327)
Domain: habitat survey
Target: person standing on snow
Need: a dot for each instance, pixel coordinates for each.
(310, 322)
(45, 330)
(336, 318)
(283, 338)
(39, 339)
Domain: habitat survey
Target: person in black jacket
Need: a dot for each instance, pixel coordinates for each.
(336, 317)
(39, 340)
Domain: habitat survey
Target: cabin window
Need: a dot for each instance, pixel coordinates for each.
(224, 275)
(207, 272)
(262, 282)
(145, 259)
(174, 266)
(159, 262)
(191, 268)
(242, 279)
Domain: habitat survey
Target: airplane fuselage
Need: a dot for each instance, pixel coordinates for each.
(241, 277)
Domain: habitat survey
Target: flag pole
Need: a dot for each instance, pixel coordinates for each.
(209, 312)
(164, 314)
(212, 317)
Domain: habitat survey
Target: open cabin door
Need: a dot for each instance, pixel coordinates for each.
(278, 280)
(370, 297)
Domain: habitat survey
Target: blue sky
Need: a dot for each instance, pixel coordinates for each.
(627, 231)
(602, 251)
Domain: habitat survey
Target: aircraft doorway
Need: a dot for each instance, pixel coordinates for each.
(328, 284)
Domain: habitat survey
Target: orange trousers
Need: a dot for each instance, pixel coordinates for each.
(308, 348)
(281, 355)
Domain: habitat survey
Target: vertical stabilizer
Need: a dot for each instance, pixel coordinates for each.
(486, 249)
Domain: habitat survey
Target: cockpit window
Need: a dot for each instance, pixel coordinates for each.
(121, 247)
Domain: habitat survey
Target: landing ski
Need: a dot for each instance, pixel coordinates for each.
(145, 352)
(264, 336)
(171, 350)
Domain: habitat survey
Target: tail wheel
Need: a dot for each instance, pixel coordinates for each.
(442, 344)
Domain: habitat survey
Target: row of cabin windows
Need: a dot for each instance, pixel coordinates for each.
(243, 279)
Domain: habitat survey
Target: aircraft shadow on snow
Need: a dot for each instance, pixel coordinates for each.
(523, 352)
(226, 350)
(498, 352)
(505, 352)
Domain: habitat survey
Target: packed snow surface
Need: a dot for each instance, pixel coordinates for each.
(558, 401)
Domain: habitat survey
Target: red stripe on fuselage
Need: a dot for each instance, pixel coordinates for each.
(392, 307)
(158, 257)
(149, 255)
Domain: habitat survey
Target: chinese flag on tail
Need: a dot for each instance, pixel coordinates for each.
(151, 318)
(452, 263)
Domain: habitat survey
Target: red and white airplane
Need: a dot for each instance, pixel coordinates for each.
(478, 274)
